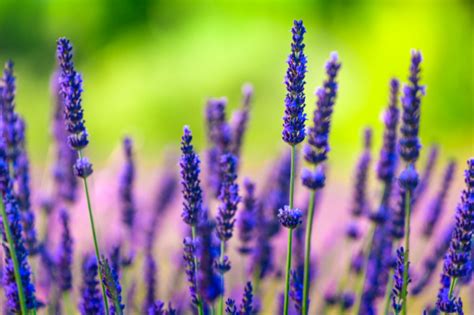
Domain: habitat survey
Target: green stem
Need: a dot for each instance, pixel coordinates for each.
(94, 236)
(407, 253)
(288, 268)
(388, 293)
(290, 231)
(451, 287)
(200, 306)
(221, 299)
(307, 255)
(13, 254)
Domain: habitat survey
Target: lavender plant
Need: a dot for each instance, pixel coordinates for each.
(377, 265)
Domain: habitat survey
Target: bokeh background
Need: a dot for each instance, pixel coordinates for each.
(149, 67)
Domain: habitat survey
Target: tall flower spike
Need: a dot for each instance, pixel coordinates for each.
(246, 307)
(112, 286)
(229, 197)
(409, 144)
(190, 268)
(192, 193)
(430, 262)
(360, 201)
(65, 182)
(126, 185)
(11, 290)
(240, 119)
(387, 163)
(397, 297)
(457, 262)
(9, 117)
(71, 91)
(219, 135)
(317, 148)
(64, 256)
(22, 178)
(91, 299)
(427, 173)
(247, 218)
(294, 118)
(149, 273)
(437, 204)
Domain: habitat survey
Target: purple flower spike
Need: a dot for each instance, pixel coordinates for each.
(360, 201)
(387, 163)
(437, 204)
(294, 118)
(71, 91)
(427, 173)
(409, 144)
(247, 219)
(112, 286)
(190, 268)
(397, 297)
(126, 185)
(229, 197)
(290, 218)
(317, 148)
(192, 193)
(64, 256)
(246, 307)
(64, 179)
(91, 298)
(231, 308)
(457, 263)
(149, 273)
(240, 120)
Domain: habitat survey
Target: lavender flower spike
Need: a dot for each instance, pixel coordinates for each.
(64, 255)
(112, 286)
(91, 299)
(149, 273)
(71, 91)
(294, 118)
(246, 307)
(240, 119)
(229, 197)
(409, 144)
(192, 193)
(247, 219)
(457, 262)
(397, 291)
(317, 148)
(360, 201)
(126, 184)
(437, 204)
(387, 163)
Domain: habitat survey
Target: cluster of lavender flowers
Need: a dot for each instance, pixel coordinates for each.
(228, 260)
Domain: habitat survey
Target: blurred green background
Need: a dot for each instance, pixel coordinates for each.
(150, 65)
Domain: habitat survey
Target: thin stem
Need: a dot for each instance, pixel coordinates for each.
(290, 231)
(221, 299)
(200, 307)
(94, 236)
(307, 254)
(407, 252)
(288, 268)
(451, 287)
(388, 293)
(13, 254)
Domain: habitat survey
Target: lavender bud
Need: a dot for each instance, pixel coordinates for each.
(294, 118)
(231, 308)
(82, 167)
(290, 218)
(313, 180)
(409, 178)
